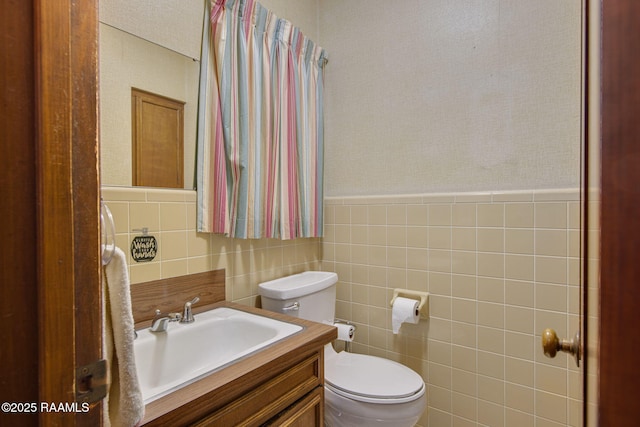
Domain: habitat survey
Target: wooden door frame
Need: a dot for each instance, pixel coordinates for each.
(50, 233)
(619, 338)
(68, 198)
(18, 278)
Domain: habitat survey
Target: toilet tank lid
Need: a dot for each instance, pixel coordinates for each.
(297, 285)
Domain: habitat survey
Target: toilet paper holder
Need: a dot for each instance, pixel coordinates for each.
(347, 344)
(422, 296)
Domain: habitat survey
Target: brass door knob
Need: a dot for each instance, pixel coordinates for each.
(551, 344)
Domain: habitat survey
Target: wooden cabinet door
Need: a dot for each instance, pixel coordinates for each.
(308, 412)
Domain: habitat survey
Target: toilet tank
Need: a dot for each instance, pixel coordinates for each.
(310, 295)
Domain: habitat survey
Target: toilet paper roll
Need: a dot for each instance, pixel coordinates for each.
(345, 332)
(404, 310)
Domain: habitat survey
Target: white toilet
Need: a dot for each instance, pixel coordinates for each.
(360, 390)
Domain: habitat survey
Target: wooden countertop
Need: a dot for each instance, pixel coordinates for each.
(212, 392)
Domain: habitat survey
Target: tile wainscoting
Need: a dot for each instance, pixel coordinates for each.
(500, 268)
(170, 216)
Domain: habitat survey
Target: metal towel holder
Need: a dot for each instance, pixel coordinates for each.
(108, 229)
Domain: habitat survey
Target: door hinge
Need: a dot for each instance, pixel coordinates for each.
(91, 382)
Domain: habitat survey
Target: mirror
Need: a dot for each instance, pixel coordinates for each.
(134, 53)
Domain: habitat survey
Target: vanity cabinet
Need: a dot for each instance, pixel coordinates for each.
(293, 398)
(308, 411)
(281, 385)
(288, 393)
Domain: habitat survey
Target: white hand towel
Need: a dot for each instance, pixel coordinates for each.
(124, 406)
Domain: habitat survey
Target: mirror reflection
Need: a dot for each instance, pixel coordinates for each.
(154, 51)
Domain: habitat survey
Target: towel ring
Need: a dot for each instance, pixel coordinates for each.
(108, 228)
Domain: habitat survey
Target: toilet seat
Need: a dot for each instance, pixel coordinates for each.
(372, 379)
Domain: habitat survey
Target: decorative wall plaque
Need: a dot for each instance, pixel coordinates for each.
(144, 248)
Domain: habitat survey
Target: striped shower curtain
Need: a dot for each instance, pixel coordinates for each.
(260, 125)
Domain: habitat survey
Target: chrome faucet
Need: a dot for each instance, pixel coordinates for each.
(159, 323)
(187, 315)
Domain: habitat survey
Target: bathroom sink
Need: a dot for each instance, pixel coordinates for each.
(169, 360)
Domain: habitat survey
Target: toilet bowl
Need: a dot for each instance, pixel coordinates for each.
(363, 390)
(359, 389)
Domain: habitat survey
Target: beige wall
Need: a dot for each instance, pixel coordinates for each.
(500, 268)
(428, 96)
(177, 24)
(302, 13)
(450, 99)
(440, 95)
(174, 24)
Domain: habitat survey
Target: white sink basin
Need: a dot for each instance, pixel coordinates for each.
(169, 360)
